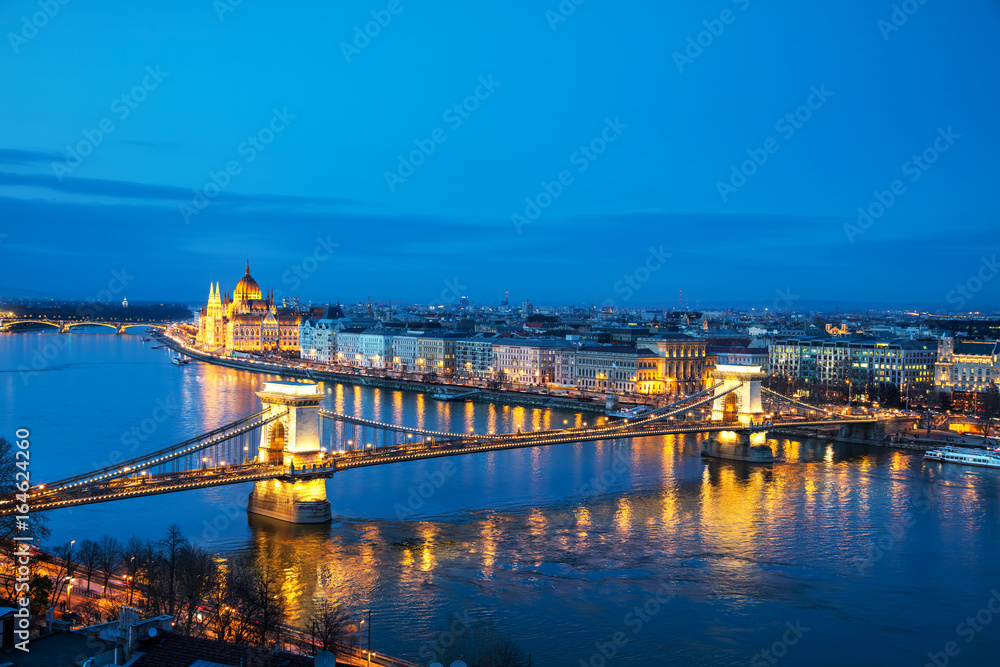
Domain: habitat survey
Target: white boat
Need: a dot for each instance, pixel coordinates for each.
(986, 458)
(631, 413)
(179, 361)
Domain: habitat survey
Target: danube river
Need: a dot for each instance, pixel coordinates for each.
(836, 555)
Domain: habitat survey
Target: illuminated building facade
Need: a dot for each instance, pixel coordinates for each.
(967, 369)
(619, 369)
(247, 321)
(682, 362)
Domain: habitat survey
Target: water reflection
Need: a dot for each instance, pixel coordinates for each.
(557, 544)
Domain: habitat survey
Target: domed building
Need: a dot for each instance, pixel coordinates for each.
(247, 321)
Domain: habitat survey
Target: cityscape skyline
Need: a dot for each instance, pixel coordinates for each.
(408, 333)
(558, 163)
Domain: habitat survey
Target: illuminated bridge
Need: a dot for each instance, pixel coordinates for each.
(291, 446)
(64, 326)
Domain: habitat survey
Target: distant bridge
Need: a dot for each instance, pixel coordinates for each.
(64, 326)
(295, 445)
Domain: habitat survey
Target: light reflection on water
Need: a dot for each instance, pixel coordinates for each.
(555, 544)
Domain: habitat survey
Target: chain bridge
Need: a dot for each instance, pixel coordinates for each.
(291, 446)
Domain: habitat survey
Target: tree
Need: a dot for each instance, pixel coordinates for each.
(132, 560)
(65, 568)
(219, 597)
(482, 645)
(37, 526)
(110, 556)
(172, 545)
(8, 487)
(40, 592)
(258, 607)
(152, 572)
(89, 555)
(989, 407)
(330, 625)
(197, 572)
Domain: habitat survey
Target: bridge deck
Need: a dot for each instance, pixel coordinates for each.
(41, 500)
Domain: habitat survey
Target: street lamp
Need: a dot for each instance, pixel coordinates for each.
(369, 635)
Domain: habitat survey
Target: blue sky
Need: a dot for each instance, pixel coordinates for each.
(213, 79)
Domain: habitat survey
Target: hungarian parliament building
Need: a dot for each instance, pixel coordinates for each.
(247, 321)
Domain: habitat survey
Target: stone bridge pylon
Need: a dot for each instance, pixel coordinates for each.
(291, 441)
(743, 408)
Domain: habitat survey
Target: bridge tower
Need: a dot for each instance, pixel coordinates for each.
(742, 407)
(291, 441)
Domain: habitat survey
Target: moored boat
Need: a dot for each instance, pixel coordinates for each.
(631, 413)
(986, 458)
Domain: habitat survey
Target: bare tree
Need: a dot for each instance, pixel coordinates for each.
(110, 556)
(65, 568)
(330, 625)
(172, 546)
(219, 598)
(197, 572)
(989, 407)
(483, 645)
(153, 573)
(132, 560)
(89, 555)
(38, 523)
(258, 608)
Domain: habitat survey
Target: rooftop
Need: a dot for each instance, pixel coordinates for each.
(982, 348)
(57, 648)
(180, 651)
(618, 349)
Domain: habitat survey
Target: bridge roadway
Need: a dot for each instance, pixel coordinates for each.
(6, 324)
(148, 485)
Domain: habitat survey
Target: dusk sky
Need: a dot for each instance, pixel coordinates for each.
(664, 118)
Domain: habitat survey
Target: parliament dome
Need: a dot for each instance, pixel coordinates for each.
(246, 288)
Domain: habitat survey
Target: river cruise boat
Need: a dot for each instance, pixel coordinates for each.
(631, 413)
(986, 458)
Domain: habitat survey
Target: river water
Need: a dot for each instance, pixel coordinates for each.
(637, 550)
